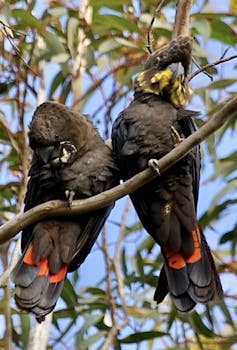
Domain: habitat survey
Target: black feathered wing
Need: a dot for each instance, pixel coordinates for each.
(55, 246)
(189, 272)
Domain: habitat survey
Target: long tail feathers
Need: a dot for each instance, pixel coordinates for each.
(37, 289)
(189, 280)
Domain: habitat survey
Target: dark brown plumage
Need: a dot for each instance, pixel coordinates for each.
(149, 128)
(70, 160)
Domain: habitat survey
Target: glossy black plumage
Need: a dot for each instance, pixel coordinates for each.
(71, 160)
(148, 129)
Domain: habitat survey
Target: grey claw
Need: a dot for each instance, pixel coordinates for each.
(154, 164)
(70, 196)
(177, 139)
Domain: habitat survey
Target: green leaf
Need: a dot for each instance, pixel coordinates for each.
(96, 291)
(215, 213)
(227, 314)
(25, 324)
(230, 186)
(147, 244)
(223, 32)
(140, 264)
(108, 46)
(221, 84)
(115, 5)
(68, 294)
(125, 42)
(55, 83)
(141, 336)
(228, 236)
(26, 19)
(140, 312)
(89, 321)
(114, 22)
(200, 327)
(85, 343)
(202, 25)
(53, 43)
(124, 263)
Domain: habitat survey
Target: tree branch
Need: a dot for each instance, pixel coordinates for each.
(149, 45)
(61, 208)
(210, 65)
(182, 18)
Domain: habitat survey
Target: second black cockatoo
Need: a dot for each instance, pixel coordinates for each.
(70, 161)
(149, 128)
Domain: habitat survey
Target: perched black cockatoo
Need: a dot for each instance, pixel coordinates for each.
(70, 161)
(149, 128)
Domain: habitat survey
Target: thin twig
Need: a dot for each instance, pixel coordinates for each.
(112, 71)
(210, 65)
(117, 262)
(15, 48)
(108, 274)
(61, 208)
(149, 32)
(6, 302)
(111, 303)
(200, 68)
(110, 338)
(14, 258)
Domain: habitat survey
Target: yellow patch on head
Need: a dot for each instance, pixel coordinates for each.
(162, 78)
(163, 83)
(180, 92)
(155, 83)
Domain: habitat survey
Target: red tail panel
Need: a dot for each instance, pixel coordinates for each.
(59, 276)
(44, 267)
(175, 260)
(196, 256)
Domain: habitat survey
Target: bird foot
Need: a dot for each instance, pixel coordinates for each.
(154, 164)
(67, 152)
(70, 196)
(177, 139)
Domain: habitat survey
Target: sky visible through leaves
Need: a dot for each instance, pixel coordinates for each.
(213, 181)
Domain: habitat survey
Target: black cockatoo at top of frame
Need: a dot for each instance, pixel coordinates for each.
(70, 161)
(152, 125)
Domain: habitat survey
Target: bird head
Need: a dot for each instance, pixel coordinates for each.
(165, 72)
(55, 125)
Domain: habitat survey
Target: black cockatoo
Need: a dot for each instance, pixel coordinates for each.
(70, 161)
(149, 128)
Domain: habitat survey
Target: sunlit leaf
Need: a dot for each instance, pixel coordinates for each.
(223, 32)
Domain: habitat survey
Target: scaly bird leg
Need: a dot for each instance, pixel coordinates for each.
(70, 196)
(67, 152)
(177, 139)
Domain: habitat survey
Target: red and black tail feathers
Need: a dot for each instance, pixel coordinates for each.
(37, 288)
(189, 279)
